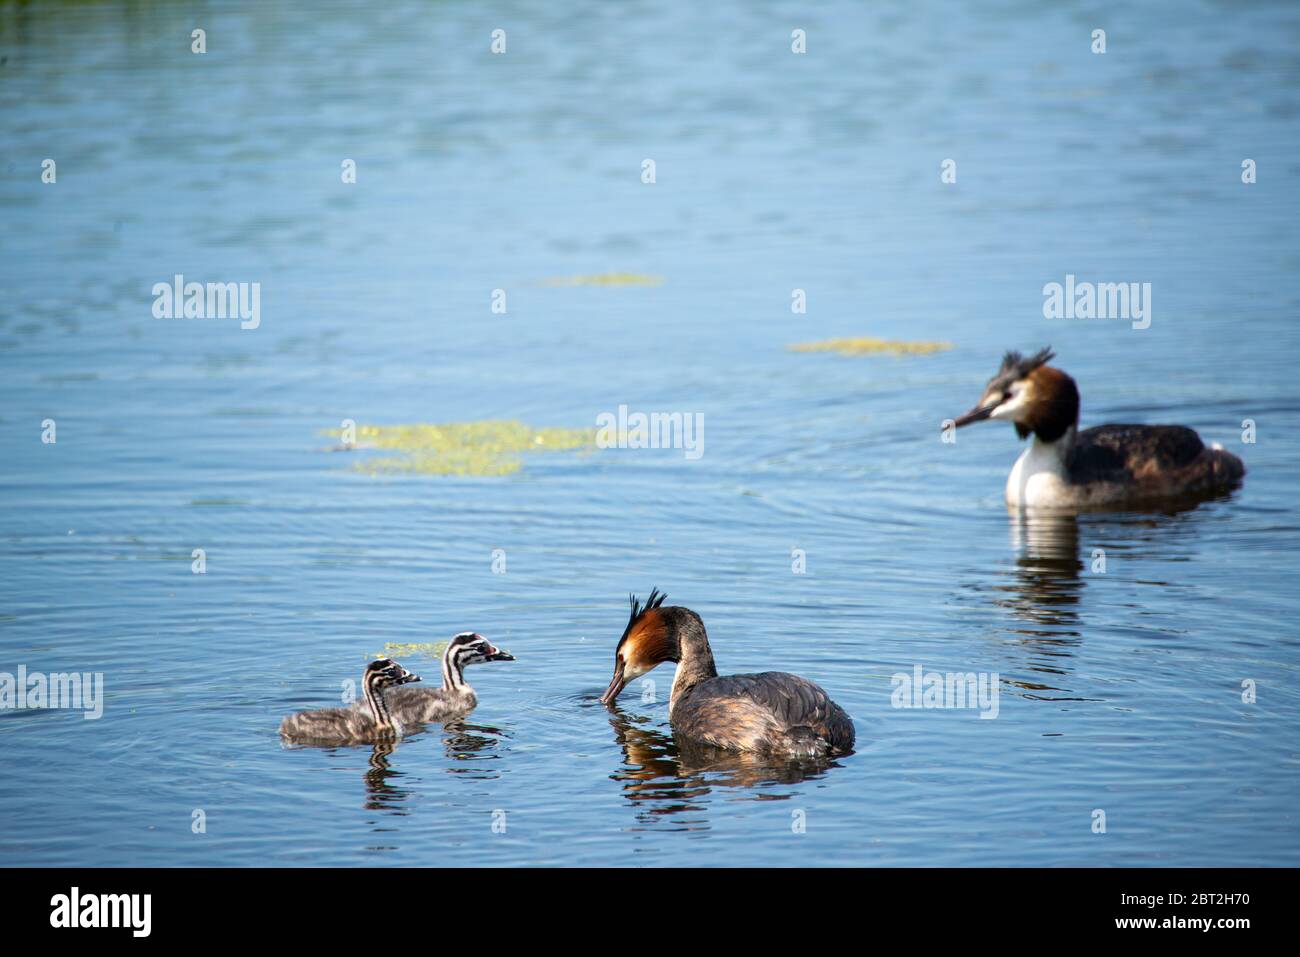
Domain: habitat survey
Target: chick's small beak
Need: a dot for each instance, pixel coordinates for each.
(977, 414)
(499, 655)
(615, 684)
(408, 677)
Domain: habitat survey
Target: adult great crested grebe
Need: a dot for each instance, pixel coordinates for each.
(1109, 465)
(770, 713)
(455, 698)
(365, 721)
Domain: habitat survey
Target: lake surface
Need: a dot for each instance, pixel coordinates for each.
(1121, 690)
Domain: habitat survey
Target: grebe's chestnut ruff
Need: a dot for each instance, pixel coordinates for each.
(770, 713)
(455, 698)
(363, 722)
(1109, 465)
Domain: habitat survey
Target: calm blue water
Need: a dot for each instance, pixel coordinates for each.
(1120, 691)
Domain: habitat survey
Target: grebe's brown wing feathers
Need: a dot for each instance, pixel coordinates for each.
(1162, 457)
(1110, 450)
(789, 713)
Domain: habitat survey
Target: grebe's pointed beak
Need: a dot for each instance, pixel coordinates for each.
(977, 414)
(407, 677)
(499, 655)
(616, 684)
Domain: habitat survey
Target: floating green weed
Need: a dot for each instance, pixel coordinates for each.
(486, 448)
(606, 279)
(868, 346)
(415, 649)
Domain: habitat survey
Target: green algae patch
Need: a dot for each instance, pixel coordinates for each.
(487, 448)
(606, 279)
(415, 649)
(870, 346)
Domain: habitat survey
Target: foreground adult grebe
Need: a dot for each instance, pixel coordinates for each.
(455, 698)
(365, 721)
(1104, 466)
(770, 713)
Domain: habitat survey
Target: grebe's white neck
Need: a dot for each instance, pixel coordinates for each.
(1039, 476)
(1060, 448)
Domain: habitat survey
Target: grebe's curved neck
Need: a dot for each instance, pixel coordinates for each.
(374, 692)
(453, 672)
(694, 657)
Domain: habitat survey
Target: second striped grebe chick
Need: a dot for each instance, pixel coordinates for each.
(771, 713)
(455, 698)
(366, 721)
(1105, 466)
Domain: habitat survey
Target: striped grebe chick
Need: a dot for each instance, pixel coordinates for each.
(772, 713)
(455, 698)
(366, 721)
(1109, 465)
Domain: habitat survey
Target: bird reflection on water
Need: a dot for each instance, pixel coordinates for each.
(1042, 596)
(467, 746)
(382, 794)
(1044, 592)
(669, 781)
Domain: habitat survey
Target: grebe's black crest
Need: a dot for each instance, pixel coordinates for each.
(654, 601)
(1016, 367)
